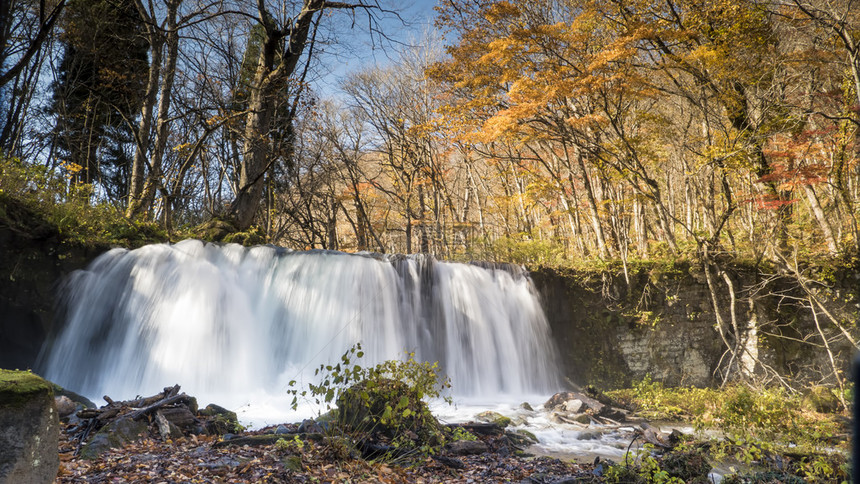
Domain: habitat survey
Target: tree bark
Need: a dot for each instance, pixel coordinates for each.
(823, 223)
(267, 79)
(153, 181)
(136, 180)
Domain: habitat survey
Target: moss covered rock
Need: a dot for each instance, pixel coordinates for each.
(115, 434)
(29, 429)
(494, 418)
(221, 421)
(820, 399)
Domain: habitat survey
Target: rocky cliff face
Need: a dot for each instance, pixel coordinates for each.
(34, 260)
(662, 323)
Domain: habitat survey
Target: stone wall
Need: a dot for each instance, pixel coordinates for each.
(662, 323)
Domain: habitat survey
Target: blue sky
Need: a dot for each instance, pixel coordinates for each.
(360, 50)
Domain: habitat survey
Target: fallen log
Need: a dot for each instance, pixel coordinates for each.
(252, 440)
(88, 413)
(147, 401)
(140, 413)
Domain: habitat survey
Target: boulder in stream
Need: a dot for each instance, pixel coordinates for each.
(494, 418)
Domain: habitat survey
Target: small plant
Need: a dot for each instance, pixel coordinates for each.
(459, 433)
(640, 468)
(293, 445)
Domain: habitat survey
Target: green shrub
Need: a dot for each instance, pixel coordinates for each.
(55, 198)
(385, 401)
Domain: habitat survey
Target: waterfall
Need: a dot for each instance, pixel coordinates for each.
(226, 319)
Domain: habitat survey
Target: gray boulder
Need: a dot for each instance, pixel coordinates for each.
(65, 406)
(29, 429)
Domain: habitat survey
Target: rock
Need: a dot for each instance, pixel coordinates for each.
(213, 410)
(525, 433)
(179, 416)
(65, 406)
(589, 436)
(29, 429)
(221, 420)
(558, 400)
(561, 398)
(281, 430)
(494, 417)
(820, 399)
(573, 406)
(115, 434)
(521, 438)
(308, 426)
(192, 405)
(166, 428)
(526, 406)
(583, 419)
(78, 399)
(466, 447)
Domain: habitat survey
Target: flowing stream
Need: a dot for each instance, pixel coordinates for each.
(233, 326)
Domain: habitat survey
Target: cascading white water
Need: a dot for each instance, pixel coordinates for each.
(229, 320)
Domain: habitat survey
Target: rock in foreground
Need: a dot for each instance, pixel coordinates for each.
(29, 429)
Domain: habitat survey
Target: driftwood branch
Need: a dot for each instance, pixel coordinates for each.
(138, 414)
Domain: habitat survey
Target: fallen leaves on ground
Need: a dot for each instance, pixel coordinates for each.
(195, 460)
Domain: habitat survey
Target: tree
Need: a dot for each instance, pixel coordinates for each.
(26, 31)
(99, 88)
(31, 27)
(283, 45)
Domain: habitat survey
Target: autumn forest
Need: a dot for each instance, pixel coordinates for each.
(530, 132)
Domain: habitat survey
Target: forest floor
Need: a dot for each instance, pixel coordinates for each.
(197, 459)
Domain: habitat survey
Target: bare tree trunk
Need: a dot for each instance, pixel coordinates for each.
(821, 218)
(272, 70)
(156, 43)
(153, 180)
(592, 207)
(135, 190)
